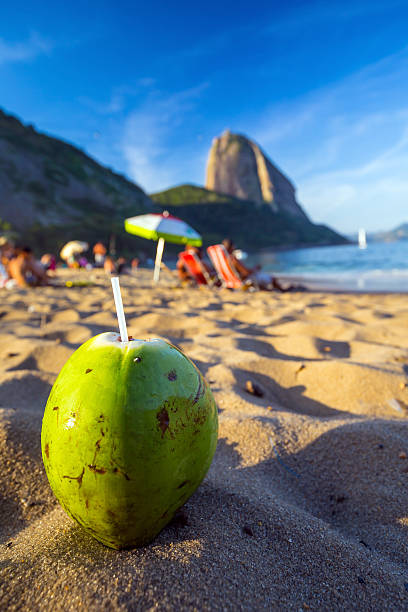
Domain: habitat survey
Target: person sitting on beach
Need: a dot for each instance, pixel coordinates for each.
(262, 279)
(49, 262)
(23, 268)
(109, 265)
(122, 265)
(99, 252)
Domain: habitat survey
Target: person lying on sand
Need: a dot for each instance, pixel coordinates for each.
(24, 269)
(262, 279)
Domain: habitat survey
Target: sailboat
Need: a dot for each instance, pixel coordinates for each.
(362, 239)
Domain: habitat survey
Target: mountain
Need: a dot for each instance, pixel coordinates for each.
(52, 192)
(238, 167)
(399, 233)
(252, 226)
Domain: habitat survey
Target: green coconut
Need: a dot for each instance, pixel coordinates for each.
(129, 432)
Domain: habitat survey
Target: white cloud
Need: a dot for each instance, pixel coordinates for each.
(373, 194)
(24, 51)
(154, 156)
(119, 97)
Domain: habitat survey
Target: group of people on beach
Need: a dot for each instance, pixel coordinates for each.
(19, 267)
(248, 276)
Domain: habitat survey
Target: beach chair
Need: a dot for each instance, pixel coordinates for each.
(195, 268)
(224, 267)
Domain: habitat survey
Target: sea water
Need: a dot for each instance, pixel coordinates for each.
(379, 267)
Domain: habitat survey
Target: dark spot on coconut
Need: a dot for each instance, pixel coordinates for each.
(56, 408)
(101, 419)
(47, 450)
(200, 389)
(102, 432)
(137, 359)
(172, 375)
(87, 503)
(200, 419)
(183, 484)
(77, 478)
(88, 370)
(119, 339)
(174, 346)
(97, 449)
(118, 471)
(12, 354)
(172, 404)
(96, 470)
(163, 420)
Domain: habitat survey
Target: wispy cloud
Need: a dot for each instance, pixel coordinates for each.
(119, 98)
(372, 194)
(23, 51)
(155, 156)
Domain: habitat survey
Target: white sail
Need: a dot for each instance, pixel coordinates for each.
(362, 238)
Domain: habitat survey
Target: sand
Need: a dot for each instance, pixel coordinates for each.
(305, 506)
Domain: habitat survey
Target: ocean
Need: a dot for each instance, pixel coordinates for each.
(379, 267)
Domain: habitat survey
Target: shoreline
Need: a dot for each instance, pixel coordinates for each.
(329, 285)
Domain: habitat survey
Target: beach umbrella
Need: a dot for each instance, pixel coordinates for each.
(73, 248)
(162, 227)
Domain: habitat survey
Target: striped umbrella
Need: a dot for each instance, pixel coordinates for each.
(162, 227)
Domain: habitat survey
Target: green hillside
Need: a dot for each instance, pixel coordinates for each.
(252, 227)
(52, 192)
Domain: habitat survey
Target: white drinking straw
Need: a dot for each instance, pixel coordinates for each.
(119, 308)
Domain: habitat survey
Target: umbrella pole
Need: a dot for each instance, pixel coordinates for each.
(159, 255)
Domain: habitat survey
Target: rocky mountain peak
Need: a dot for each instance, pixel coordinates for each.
(238, 167)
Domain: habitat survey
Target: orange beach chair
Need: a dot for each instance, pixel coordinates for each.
(224, 267)
(195, 269)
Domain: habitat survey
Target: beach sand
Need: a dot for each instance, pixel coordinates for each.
(305, 506)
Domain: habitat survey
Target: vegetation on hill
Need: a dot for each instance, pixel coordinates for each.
(216, 216)
(52, 192)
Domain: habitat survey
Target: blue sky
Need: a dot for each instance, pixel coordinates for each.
(321, 86)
